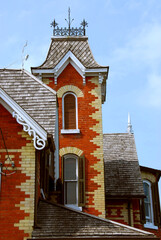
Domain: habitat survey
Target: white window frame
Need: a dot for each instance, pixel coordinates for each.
(74, 206)
(150, 224)
(69, 131)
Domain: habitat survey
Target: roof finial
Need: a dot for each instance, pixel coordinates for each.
(69, 21)
(129, 127)
(81, 31)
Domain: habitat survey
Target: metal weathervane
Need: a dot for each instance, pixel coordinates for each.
(81, 31)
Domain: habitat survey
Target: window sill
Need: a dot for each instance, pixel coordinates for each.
(150, 225)
(70, 131)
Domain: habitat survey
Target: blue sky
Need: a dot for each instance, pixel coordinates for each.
(124, 34)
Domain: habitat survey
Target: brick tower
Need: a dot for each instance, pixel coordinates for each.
(80, 83)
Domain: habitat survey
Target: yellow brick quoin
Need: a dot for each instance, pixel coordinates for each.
(27, 167)
(99, 166)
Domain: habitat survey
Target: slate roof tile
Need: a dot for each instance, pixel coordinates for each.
(77, 45)
(59, 221)
(122, 173)
(31, 95)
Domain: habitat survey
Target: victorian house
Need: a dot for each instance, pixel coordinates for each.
(61, 178)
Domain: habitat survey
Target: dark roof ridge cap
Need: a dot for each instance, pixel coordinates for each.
(40, 82)
(149, 168)
(69, 38)
(98, 218)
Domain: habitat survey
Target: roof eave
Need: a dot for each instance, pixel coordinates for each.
(23, 118)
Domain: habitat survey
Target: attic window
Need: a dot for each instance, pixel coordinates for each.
(69, 113)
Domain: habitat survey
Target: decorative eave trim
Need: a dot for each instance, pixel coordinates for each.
(71, 58)
(29, 125)
(39, 143)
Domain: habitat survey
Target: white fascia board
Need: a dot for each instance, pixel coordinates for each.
(96, 70)
(35, 126)
(43, 71)
(69, 57)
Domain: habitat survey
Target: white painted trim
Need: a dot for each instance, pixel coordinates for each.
(73, 58)
(97, 70)
(69, 131)
(43, 70)
(14, 107)
(75, 206)
(39, 143)
(150, 224)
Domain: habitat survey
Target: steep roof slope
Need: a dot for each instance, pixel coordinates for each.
(61, 45)
(122, 173)
(34, 97)
(56, 222)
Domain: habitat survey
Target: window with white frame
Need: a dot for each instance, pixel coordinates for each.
(69, 113)
(148, 202)
(73, 176)
(71, 180)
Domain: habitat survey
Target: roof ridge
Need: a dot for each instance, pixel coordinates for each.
(98, 218)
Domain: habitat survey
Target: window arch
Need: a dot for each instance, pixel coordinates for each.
(69, 113)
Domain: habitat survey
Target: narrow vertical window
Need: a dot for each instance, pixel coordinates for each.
(148, 202)
(70, 180)
(69, 114)
(73, 173)
(69, 111)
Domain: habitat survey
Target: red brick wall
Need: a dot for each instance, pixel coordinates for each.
(116, 210)
(11, 194)
(83, 140)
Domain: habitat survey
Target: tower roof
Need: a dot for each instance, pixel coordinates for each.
(60, 46)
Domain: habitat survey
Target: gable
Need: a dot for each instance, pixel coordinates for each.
(31, 102)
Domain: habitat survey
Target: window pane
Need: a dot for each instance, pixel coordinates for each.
(147, 202)
(70, 190)
(69, 111)
(146, 191)
(147, 213)
(70, 169)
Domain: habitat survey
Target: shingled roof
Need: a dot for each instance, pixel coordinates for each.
(59, 222)
(60, 46)
(34, 97)
(122, 173)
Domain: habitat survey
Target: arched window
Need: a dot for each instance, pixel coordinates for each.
(69, 113)
(148, 201)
